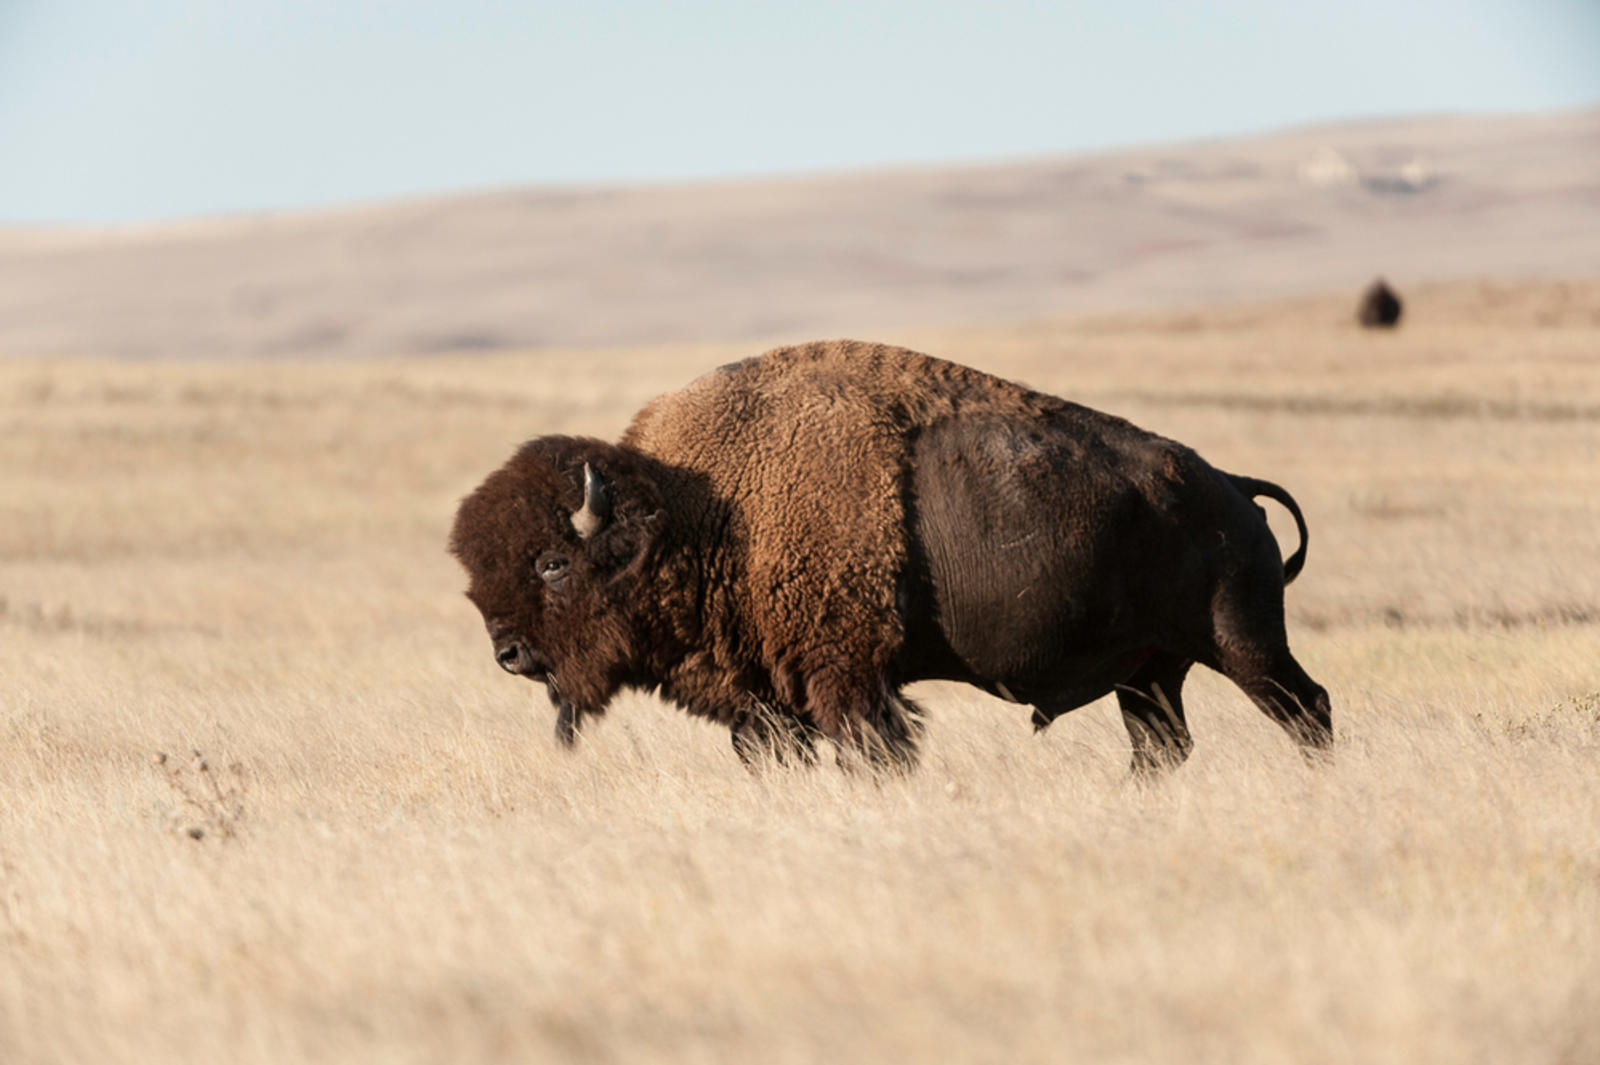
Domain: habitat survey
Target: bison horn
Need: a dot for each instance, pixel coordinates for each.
(596, 509)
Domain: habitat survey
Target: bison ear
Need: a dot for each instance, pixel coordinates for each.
(633, 542)
(596, 510)
(620, 519)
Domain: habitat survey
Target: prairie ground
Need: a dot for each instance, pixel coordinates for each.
(387, 858)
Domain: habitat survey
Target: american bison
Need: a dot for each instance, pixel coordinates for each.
(786, 542)
(1380, 306)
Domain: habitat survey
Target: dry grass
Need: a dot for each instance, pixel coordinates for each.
(249, 561)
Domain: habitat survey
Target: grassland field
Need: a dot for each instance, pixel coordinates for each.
(387, 858)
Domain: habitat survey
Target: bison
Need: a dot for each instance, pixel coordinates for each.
(785, 543)
(1380, 306)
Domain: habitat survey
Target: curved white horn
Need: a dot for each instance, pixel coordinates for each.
(596, 509)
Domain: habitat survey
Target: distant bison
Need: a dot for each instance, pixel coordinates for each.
(1380, 306)
(785, 543)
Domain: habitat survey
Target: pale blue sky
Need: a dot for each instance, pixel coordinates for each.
(118, 110)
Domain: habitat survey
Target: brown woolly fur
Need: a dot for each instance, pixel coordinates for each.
(751, 551)
(807, 448)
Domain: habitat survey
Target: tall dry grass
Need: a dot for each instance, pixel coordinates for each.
(248, 561)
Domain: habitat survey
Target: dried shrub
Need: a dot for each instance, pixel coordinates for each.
(210, 801)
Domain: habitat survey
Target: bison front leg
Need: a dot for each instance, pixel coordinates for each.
(767, 734)
(883, 736)
(1152, 711)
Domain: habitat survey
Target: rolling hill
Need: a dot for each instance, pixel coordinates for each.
(1282, 214)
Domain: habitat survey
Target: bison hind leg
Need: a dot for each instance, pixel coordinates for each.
(1286, 694)
(1152, 711)
(1253, 651)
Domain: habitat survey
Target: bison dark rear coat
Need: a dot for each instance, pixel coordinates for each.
(788, 541)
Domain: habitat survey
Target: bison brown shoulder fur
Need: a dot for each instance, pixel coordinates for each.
(788, 541)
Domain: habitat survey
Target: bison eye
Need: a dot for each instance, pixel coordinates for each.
(552, 569)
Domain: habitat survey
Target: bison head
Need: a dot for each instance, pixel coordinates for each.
(554, 543)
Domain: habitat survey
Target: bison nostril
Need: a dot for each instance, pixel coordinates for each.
(510, 658)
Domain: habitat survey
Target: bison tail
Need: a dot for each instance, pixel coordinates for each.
(1252, 487)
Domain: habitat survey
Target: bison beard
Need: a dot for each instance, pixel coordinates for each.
(788, 541)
